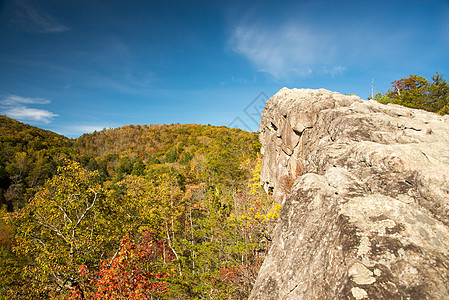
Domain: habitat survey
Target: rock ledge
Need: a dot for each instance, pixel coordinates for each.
(368, 214)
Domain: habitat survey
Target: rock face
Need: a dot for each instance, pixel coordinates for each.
(368, 214)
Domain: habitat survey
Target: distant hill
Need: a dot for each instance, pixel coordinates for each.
(148, 141)
(28, 156)
(19, 133)
(127, 149)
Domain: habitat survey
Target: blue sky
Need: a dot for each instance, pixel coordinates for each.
(74, 66)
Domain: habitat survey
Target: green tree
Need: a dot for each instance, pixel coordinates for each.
(439, 93)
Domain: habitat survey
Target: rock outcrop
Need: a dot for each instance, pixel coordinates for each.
(368, 214)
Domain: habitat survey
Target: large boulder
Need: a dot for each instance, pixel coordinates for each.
(367, 216)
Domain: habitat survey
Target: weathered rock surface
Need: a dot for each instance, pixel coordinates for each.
(368, 214)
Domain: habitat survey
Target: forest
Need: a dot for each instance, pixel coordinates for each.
(138, 212)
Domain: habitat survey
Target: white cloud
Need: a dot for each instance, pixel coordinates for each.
(287, 50)
(30, 114)
(14, 107)
(13, 100)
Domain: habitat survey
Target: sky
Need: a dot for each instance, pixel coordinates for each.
(75, 66)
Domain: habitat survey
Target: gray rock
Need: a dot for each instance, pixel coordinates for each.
(368, 214)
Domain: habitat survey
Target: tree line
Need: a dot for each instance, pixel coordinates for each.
(418, 92)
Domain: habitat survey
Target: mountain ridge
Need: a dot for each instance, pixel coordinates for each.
(37, 152)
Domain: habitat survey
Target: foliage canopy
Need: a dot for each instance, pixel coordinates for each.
(417, 92)
(142, 212)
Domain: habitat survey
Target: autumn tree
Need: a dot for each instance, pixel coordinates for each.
(65, 226)
(12, 284)
(138, 270)
(417, 92)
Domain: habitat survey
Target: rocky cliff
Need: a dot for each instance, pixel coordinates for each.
(367, 216)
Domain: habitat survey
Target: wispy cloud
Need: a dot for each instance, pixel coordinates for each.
(334, 71)
(285, 51)
(14, 106)
(299, 46)
(14, 100)
(33, 19)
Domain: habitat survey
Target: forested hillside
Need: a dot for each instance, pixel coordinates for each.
(28, 156)
(138, 212)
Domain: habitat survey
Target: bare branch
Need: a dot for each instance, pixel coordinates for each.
(89, 207)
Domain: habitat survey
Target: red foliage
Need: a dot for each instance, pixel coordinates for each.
(232, 275)
(137, 271)
(412, 82)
